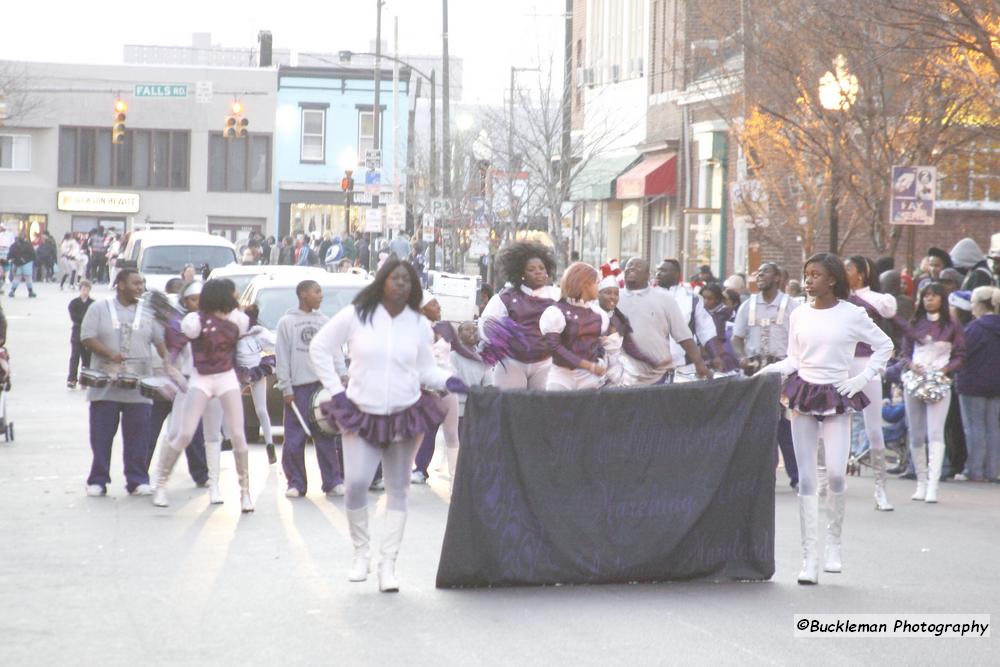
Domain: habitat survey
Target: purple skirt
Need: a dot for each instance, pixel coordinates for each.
(819, 400)
(422, 417)
(250, 375)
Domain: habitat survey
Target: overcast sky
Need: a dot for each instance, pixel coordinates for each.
(490, 36)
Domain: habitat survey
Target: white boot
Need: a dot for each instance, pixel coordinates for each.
(919, 457)
(213, 450)
(243, 472)
(936, 456)
(357, 523)
(164, 464)
(452, 453)
(835, 509)
(882, 503)
(395, 522)
(808, 520)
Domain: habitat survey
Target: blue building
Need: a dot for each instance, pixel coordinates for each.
(324, 125)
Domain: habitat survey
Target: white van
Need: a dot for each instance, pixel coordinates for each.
(456, 293)
(161, 254)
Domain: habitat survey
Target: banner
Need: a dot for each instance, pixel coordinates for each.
(614, 486)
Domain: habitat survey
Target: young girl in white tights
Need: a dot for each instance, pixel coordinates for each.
(382, 413)
(820, 391)
(214, 331)
(254, 362)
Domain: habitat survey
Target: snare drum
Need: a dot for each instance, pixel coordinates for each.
(158, 389)
(127, 381)
(316, 417)
(90, 377)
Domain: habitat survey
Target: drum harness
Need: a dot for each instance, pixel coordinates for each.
(766, 323)
(124, 334)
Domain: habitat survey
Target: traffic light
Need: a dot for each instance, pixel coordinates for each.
(236, 124)
(118, 128)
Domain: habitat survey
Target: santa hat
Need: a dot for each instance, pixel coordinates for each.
(606, 282)
(612, 269)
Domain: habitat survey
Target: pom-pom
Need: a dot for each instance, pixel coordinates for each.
(500, 337)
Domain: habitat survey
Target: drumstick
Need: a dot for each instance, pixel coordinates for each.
(302, 422)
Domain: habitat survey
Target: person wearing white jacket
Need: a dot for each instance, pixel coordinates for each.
(382, 413)
(820, 391)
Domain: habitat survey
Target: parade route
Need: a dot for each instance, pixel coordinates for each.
(117, 581)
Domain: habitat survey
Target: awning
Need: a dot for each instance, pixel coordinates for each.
(652, 177)
(596, 180)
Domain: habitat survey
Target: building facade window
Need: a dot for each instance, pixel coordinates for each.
(15, 152)
(239, 165)
(313, 143)
(146, 160)
(366, 132)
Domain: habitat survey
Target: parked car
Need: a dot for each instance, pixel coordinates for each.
(243, 274)
(274, 295)
(161, 254)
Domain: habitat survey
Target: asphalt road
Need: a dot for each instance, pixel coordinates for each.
(116, 581)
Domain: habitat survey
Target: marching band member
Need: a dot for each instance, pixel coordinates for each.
(760, 337)
(528, 268)
(382, 413)
(254, 362)
(445, 340)
(861, 274)
(573, 327)
(820, 391)
(298, 381)
(214, 331)
(933, 347)
(120, 336)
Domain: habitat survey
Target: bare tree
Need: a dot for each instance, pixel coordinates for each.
(17, 102)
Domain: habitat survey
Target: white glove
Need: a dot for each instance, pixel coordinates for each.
(852, 386)
(772, 368)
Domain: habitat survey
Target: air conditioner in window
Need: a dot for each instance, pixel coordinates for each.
(588, 76)
(635, 67)
(615, 73)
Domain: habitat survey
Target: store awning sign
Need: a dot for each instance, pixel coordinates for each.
(97, 202)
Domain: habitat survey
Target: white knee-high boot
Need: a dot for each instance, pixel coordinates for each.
(213, 451)
(243, 472)
(395, 522)
(357, 523)
(919, 456)
(164, 464)
(808, 520)
(835, 508)
(882, 503)
(936, 456)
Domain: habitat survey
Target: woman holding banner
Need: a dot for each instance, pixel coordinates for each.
(820, 391)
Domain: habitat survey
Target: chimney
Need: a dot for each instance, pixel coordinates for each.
(264, 39)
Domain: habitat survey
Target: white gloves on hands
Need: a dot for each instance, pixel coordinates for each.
(852, 385)
(772, 368)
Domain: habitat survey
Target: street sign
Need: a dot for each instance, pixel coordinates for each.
(373, 220)
(203, 92)
(440, 207)
(914, 190)
(160, 90)
(395, 215)
(373, 159)
(373, 179)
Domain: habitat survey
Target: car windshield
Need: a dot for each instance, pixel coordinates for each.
(274, 302)
(173, 258)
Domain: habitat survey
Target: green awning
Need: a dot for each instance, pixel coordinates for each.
(597, 179)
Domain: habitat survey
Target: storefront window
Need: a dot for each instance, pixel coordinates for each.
(593, 236)
(32, 224)
(320, 219)
(631, 230)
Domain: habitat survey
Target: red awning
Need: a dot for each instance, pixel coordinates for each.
(652, 177)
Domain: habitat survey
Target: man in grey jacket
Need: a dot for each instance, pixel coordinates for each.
(298, 382)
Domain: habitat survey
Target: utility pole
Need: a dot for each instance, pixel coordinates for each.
(565, 150)
(376, 113)
(446, 99)
(395, 110)
(434, 155)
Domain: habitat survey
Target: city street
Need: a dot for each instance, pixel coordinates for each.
(116, 581)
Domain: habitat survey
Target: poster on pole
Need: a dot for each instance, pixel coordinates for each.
(373, 181)
(373, 220)
(395, 216)
(428, 233)
(913, 194)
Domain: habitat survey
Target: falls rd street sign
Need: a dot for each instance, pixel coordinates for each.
(160, 90)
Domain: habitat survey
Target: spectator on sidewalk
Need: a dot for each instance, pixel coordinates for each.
(978, 386)
(22, 258)
(78, 353)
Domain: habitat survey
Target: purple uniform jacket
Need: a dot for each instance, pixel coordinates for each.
(938, 331)
(214, 351)
(864, 349)
(526, 310)
(580, 340)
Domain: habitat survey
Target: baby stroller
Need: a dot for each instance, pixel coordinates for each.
(6, 426)
(893, 431)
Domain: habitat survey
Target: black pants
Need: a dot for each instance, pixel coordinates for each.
(78, 353)
(954, 437)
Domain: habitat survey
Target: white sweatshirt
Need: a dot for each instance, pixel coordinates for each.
(391, 358)
(885, 304)
(821, 343)
(252, 346)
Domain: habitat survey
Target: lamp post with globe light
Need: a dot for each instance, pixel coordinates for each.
(838, 90)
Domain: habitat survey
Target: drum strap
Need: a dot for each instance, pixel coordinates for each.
(782, 307)
(115, 324)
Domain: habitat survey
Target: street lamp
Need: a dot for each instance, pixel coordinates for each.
(838, 90)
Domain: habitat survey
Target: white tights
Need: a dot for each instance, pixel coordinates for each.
(836, 433)
(513, 374)
(361, 459)
(258, 392)
(194, 408)
(925, 421)
(873, 413)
